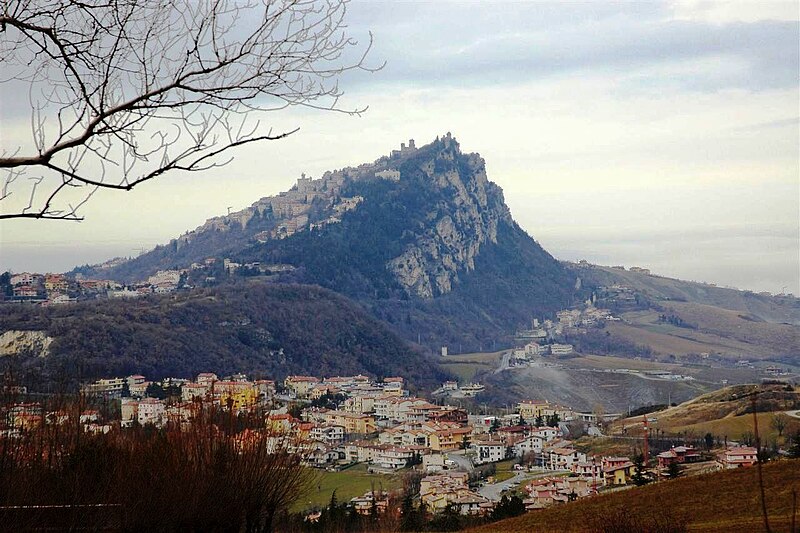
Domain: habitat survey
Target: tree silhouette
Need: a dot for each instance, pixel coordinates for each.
(127, 91)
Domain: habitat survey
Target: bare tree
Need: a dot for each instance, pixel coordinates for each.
(126, 91)
(778, 422)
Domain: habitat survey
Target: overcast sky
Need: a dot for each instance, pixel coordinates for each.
(662, 135)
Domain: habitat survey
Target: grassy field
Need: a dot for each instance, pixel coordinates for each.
(604, 446)
(466, 372)
(504, 470)
(349, 483)
(469, 365)
(714, 330)
(712, 503)
(492, 358)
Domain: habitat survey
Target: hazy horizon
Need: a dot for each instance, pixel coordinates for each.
(675, 256)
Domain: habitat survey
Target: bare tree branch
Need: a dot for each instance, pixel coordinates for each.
(125, 91)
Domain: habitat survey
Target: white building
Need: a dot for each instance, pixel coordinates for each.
(433, 462)
(547, 433)
(206, 378)
(124, 293)
(531, 443)
(533, 348)
(190, 391)
(151, 411)
(394, 457)
(23, 278)
(389, 174)
(560, 349)
(472, 389)
(329, 434)
(563, 458)
(165, 277)
(490, 452)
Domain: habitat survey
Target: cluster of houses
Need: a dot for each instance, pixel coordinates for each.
(453, 389)
(451, 489)
(52, 289)
(621, 297)
(541, 338)
(338, 421)
(23, 416)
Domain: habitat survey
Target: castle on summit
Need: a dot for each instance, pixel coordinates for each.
(404, 149)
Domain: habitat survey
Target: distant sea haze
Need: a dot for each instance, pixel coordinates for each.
(756, 262)
(752, 262)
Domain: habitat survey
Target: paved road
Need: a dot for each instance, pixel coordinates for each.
(464, 462)
(493, 491)
(504, 362)
(793, 414)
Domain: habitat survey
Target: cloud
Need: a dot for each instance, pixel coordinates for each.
(727, 11)
(516, 43)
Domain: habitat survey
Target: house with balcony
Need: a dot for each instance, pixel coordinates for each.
(737, 457)
(489, 452)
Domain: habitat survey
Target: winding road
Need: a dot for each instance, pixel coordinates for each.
(504, 362)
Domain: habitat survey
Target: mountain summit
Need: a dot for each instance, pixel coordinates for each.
(420, 237)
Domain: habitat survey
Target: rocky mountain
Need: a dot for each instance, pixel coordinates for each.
(420, 237)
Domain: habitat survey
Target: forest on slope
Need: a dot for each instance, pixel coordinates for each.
(262, 329)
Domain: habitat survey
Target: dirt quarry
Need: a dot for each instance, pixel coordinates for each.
(582, 389)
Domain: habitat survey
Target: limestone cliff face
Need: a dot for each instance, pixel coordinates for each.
(16, 342)
(466, 217)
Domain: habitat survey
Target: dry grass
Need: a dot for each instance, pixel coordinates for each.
(717, 502)
(724, 412)
(719, 331)
(611, 362)
(736, 426)
(782, 338)
(663, 343)
(604, 446)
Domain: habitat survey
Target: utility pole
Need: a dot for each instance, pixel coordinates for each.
(758, 463)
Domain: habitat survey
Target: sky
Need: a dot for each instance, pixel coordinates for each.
(663, 135)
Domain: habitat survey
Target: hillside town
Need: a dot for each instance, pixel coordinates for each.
(58, 289)
(336, 423)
